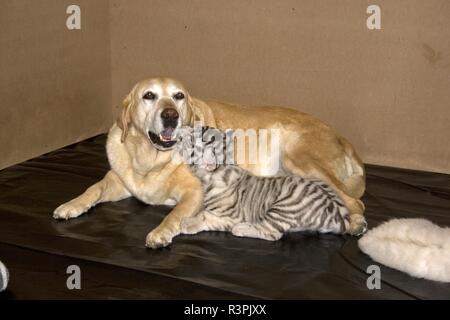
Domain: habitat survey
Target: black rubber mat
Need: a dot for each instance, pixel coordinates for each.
(108, 242)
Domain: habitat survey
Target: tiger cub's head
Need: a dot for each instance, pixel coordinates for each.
(205, 149)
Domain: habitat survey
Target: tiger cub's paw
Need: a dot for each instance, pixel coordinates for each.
(191, 225)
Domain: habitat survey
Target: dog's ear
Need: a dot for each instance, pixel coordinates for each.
(201, 112)
(124, 118)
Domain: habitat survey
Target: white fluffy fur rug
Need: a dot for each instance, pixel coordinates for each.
(415, 246)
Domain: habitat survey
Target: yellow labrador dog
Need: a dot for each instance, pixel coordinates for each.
(139, 149)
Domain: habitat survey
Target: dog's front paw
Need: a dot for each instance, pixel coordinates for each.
(69, 210)
(158, 238)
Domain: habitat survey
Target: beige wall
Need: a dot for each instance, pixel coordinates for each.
(54, 83)
(387, 91)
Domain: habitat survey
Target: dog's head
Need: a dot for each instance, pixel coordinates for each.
(157, 107)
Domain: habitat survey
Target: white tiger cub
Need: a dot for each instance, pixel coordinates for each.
(252, 206)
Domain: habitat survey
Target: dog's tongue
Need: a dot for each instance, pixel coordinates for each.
(166, 134)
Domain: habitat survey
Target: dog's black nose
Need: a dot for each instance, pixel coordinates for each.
(169, 113)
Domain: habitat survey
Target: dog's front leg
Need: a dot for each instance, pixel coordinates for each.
(189, 205)
(110, 188)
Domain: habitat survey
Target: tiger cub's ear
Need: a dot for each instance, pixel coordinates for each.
(184, 146)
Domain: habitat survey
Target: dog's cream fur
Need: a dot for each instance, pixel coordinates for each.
(415, 246)
(140, 168)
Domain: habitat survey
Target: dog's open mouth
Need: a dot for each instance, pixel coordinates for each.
(166, 139)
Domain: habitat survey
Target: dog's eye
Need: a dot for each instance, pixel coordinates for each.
(179, 96)
(149, 96)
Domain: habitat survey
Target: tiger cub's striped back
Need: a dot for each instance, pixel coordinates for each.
(252, 206)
